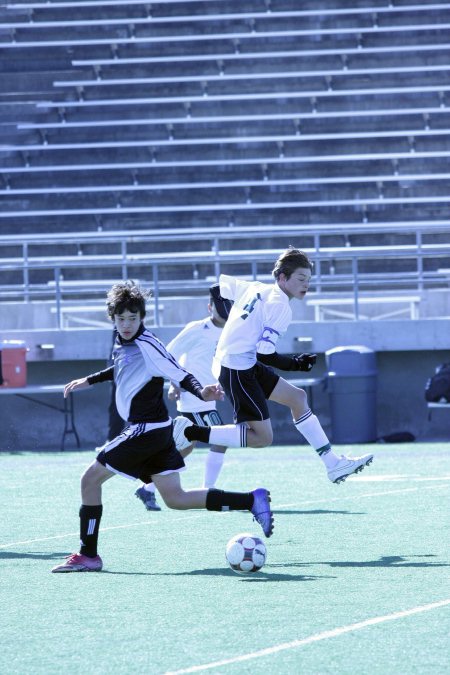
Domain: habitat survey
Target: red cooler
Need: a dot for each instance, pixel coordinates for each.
(13, 365)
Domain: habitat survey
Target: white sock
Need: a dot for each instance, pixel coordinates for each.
(213, 466)
(309, 426)
(150, 487)
(229, 435)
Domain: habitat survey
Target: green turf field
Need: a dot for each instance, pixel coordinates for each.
(357, 578)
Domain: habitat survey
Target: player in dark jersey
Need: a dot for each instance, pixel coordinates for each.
(146, 448)
(194, 347)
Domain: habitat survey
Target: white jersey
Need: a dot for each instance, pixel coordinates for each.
(260, 314)
(194, 349)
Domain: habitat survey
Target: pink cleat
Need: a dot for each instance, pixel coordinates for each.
(76, 562)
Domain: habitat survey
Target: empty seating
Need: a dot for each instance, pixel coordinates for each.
(138, 115)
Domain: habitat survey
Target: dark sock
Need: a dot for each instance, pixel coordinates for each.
(90, 517)
(196, 433)
(219, 500)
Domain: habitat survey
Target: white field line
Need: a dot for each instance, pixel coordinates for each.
(361, 496)
(200, 511)
(399, 479)
(325, 635)
(77, 534)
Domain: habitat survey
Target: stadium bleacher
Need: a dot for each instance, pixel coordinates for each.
(205, 115)
(212, 133)
(193, 113)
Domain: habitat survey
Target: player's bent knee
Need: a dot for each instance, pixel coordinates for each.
(88, 478)
(174, 500)
(94, 475)
(299, 403)
(261, 440)
(302, 396)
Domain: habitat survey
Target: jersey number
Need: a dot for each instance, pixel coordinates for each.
(249, 307)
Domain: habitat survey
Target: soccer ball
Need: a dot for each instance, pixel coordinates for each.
(245, 553)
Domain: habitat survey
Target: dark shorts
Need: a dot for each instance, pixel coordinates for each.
(248, 391)
(205, 418)
(140, 453)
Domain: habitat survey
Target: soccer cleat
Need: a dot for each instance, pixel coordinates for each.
(348, 465)
(148, 499)
(77, 562)
(261, 510)
(179, 425)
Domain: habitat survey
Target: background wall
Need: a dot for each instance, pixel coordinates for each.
(400, 404)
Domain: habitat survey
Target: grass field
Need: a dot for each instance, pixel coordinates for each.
(357, 578)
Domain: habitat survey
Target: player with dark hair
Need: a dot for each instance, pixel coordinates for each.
(146, 448)
(194, 348)
(246, 355)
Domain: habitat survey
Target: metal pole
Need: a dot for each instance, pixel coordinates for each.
(419, 261)
(156, 292)
(318, 267)
(58, 297)
(123, 246)
(26, 276)
(355, 287)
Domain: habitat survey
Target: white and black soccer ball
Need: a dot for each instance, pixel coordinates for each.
(245, 553)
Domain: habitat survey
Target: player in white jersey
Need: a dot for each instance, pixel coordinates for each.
(146, 448)
(244, 359)
(194, 348)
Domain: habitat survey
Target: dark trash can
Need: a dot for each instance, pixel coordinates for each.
(352, 387)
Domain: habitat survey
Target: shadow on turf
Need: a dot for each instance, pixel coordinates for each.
(15, 555)
(224, 572)
(389, 561)
(384, 561)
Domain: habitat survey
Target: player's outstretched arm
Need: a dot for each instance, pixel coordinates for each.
(82, 383)
(288, 362)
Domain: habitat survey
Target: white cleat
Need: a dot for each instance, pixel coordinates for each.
(346, 466)
(179, 425)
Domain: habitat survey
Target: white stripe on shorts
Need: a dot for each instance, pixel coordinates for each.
(134, 430)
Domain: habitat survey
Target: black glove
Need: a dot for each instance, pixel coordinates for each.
(304, 362)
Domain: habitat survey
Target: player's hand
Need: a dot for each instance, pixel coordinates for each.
(174, 392)
(304, 362)
(75, 384)
(213, 392)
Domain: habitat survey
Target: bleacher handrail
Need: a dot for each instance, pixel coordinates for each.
(244, 117)
(215, 140)
(251, 55)
(246, 183)
(248, 205)
(213, 37)
(232, 161)
(204, 17)
(254, 96)
(254, 75)
(215, 234)
(216, 259)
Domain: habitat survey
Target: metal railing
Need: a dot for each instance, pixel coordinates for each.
(347, 270)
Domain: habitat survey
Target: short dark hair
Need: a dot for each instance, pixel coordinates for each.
(290, 260)
(126, 295)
